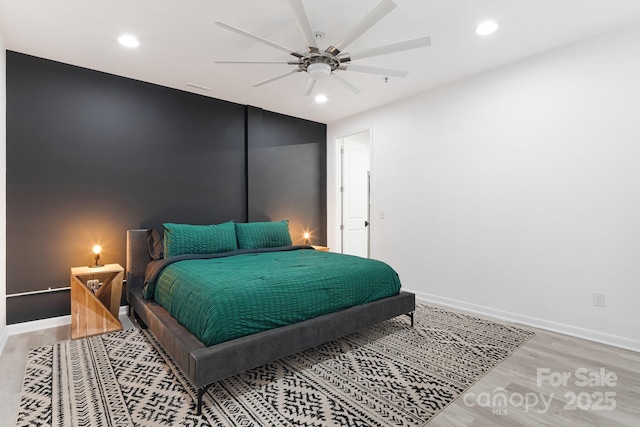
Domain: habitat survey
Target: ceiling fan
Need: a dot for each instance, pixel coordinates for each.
(320, 64)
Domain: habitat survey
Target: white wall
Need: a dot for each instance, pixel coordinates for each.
(3, 199)
(516, 192)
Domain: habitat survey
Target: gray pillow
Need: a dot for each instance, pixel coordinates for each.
(155, 238)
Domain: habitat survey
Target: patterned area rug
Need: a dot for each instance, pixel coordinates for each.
(389, 374)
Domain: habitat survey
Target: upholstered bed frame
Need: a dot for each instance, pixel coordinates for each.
(206, 365)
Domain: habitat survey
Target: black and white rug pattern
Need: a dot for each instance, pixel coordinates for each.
(387, 375)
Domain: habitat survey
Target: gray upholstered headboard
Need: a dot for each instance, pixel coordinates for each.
(137, 257)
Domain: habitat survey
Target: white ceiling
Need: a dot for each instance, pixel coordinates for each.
(179, 42)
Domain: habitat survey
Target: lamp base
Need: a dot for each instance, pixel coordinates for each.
(96, 265)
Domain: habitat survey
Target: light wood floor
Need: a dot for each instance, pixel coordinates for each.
(571, 402)
(516, 378)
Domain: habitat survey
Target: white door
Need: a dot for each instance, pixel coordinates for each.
(356, 168)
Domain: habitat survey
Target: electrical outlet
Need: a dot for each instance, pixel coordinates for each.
(598, 299)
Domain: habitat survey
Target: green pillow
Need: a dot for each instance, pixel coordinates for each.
(180, 239)
(255, 235)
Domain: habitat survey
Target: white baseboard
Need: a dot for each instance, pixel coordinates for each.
(52, 322)
(591, 335)
(4, 336)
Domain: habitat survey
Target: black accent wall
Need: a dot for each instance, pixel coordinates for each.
(90, 155)
(287, 167)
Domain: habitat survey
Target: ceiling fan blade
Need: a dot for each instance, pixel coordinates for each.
(383, 50)
(276, 78)
(224, 61)
(373, 70)
(258, 39)
(310, 84)
(303, 23)
(382, 10)
(346, 84)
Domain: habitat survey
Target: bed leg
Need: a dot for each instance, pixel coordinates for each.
(411, 317)
(201, 392)
(139, 321)
(199, 404)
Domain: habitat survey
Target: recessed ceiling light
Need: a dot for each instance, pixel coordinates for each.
(128, 41)
(486, 28)
(320, 99)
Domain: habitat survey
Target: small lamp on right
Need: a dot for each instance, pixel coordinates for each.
(306, 238)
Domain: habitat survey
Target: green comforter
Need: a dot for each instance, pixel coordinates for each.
(221, 299)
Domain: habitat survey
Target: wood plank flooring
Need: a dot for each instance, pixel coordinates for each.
(516, 379)
(566, 392)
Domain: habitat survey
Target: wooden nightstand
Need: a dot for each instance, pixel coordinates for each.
(320, 248)
(95, 313)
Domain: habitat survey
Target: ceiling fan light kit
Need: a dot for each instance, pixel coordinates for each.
(319, 70)
(321, 64)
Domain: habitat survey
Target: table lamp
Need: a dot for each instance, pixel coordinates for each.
(96, 256)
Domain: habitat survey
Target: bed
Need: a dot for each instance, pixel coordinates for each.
(206, 364)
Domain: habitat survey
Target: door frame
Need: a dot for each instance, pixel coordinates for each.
(338, 183)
